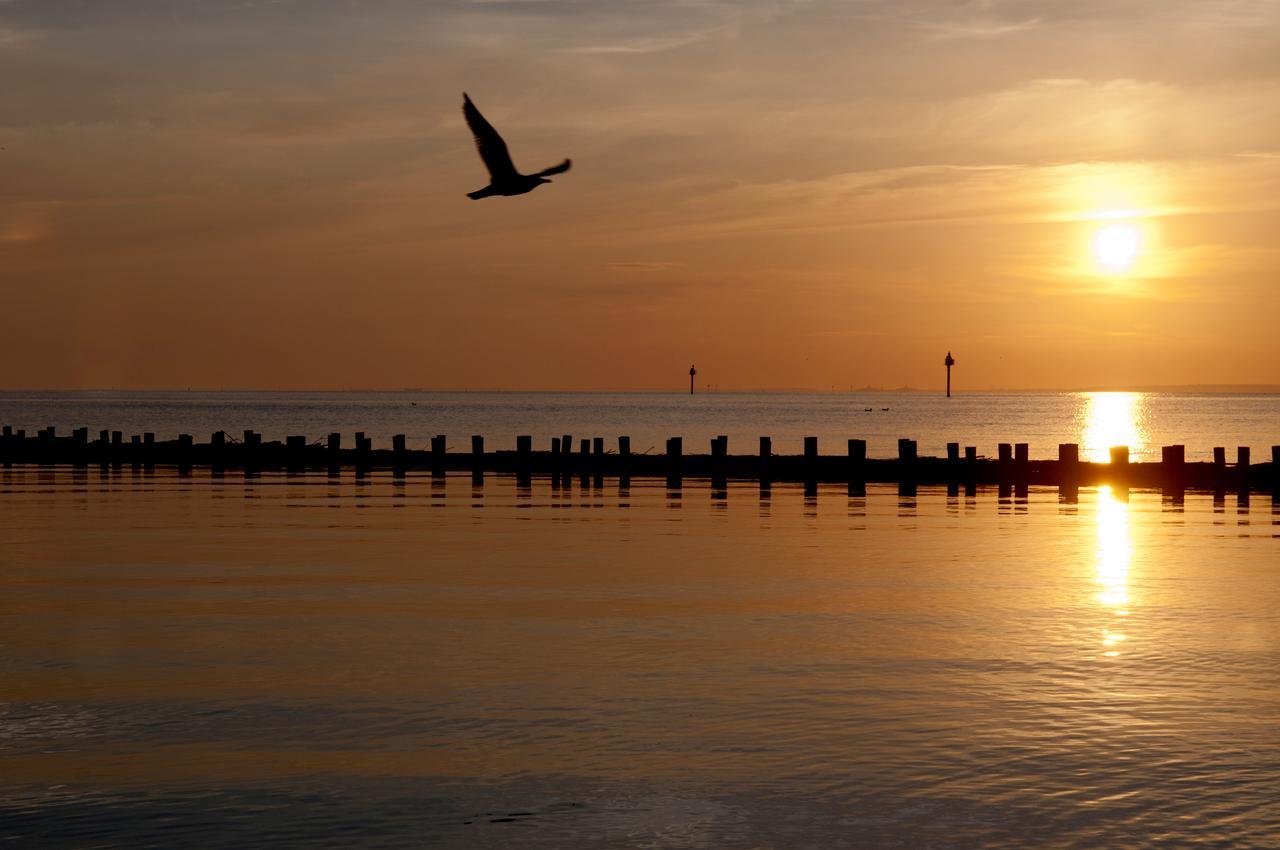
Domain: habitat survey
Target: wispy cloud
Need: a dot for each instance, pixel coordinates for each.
(957, 30)
(652, 43)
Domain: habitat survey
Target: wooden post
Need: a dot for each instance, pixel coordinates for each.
(477, 460)
(44, 445)
(80, 450)
(1242, 467)
(1173, 466)
(584, 457)
(1004, 462)
(184, 454)
(1068, 464)
(294, 446)
(555, 457)
(1275, 469)
(857, 472)
(332, 453)
(102, 447)
(217, 441)
(363, 446)
(906, 461)
(361, 460)
(399, 458)
(252, 444)
(437, 454)
(675, 451)
(624, 461)
(766, 452)
(857, 461)
(524, 445)
(1120, 465)
(1219, 468)
(597, 451)
(1021, 463)
(566, 454)
(719, 458)
(148, 449)
(810, 466)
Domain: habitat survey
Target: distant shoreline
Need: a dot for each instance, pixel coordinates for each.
(1232, 389)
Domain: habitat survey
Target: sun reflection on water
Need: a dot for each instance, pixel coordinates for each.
(1115, 549)
(1112, 419)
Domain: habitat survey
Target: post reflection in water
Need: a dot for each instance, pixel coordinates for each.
(1008, 667)
(1112, 419)
(1115, 551)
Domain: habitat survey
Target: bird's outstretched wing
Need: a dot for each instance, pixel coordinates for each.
(555, 169)
(492, 149)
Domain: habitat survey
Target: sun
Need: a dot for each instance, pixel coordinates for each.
(1116, 246)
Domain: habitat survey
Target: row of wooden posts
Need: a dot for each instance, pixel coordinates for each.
(1012, 464)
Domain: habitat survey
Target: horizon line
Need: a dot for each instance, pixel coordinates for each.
(1241, 388)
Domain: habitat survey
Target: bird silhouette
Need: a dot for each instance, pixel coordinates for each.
(503, 177)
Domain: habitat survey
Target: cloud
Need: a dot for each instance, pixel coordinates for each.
(652, 43)
(957, 30)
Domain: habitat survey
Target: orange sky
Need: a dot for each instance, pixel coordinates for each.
(790, 194)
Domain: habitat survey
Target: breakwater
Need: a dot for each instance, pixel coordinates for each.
(594, 456)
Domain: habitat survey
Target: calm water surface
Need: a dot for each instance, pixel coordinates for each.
(1097, 421)
(440, 663)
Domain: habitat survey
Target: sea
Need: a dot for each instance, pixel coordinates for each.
(1097, 421)
(306, 660)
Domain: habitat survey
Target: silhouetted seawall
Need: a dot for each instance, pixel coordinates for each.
(597, 457)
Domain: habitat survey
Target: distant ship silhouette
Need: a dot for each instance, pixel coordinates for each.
(503, 177)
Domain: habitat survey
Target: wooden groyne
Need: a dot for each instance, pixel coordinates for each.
(1012, 465)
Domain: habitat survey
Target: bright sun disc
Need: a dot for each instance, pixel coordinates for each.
(1116, 246)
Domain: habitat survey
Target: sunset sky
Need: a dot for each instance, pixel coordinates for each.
(238, 194)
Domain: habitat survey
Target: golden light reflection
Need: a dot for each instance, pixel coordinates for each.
(1112, 419)
(1115, 549)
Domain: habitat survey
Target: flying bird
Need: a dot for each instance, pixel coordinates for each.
(503, 177)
